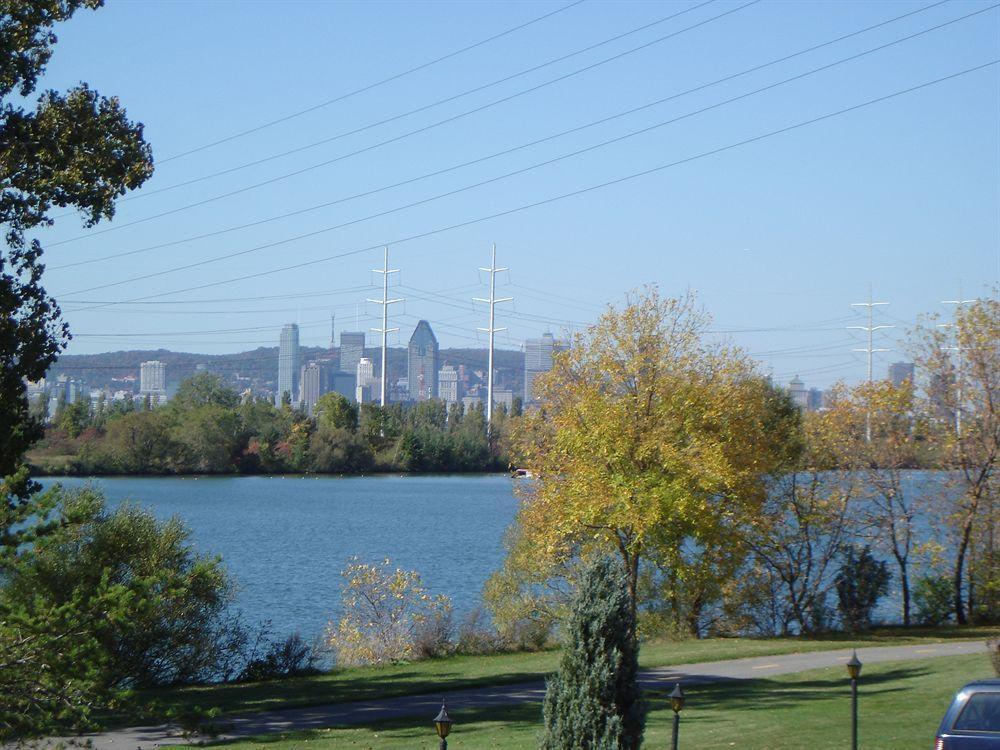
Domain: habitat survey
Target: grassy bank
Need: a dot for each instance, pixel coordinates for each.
(473, 671)
(901, 704)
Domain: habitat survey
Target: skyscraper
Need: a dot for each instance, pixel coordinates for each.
(312, 384)
(900, 372)
(152, 377)
(537, 359)
(797, 390)
(352, 349)
(365, 380)
(422, 363)
(288, 364)
(449, 388)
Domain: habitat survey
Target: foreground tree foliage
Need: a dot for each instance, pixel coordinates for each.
(103, 603)
(653, 444)
(962, 363)
(594, 701)
(76, 149)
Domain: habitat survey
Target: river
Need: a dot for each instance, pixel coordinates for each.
(286, 539)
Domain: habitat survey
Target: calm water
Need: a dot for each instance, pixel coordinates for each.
(286, 539)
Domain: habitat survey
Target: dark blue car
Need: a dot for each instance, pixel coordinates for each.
(973, 721)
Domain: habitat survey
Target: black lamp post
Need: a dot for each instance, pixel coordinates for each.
(854, 670)
(442, 723)
(676, 703)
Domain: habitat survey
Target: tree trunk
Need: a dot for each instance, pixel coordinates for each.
(904, 581)
(963, 547)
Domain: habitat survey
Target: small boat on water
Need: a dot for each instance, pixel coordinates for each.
(521, 473)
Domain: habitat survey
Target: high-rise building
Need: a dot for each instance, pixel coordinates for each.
(152, 377)
(797, 390)
(422, 363)
(537, 359)
(352, 349)
(288, 364)
(344, 383)
(449, 387)
(901, 372)
(313, 383)
(365, 380)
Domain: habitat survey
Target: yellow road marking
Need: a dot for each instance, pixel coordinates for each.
(767, 666)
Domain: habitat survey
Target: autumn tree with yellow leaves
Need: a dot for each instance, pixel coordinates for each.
(652, 439)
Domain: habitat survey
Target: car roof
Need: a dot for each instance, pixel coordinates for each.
(983, 683)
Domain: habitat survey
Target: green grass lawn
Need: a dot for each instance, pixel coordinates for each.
(901, 704)
(470, 671)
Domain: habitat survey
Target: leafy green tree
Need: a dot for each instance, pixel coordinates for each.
(334, 411)
(208, 438)
(75, 418)
(150, 610)
(140, 442)
(204, 389)
(76, 149)
(861, 581)
(594, 701)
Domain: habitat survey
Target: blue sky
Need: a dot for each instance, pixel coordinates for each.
(777, 236)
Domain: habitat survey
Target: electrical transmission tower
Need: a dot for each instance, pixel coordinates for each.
(385, 330)
(958, 349)
(492, 301)
(870, 349)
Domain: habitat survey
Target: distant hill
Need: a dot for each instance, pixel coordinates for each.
(258, 368)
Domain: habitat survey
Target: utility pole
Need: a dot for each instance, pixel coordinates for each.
(870, 328)
(958, 349)
(385, 330)
(492, 301)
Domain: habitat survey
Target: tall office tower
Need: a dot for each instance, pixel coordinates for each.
(901, 372)
(797, 390)
(537, 359)
(422, 363)
(352, 349)
(152, 376)
(365, 380)
(449, 388)
(312, 385)
(288, 364)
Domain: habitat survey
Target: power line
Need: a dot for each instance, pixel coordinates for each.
(522, 170)
(505, 152)
(408, 134)
(370, 86)
(422, 108)
(581, 191)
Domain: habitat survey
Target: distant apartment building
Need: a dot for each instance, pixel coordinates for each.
(288, 365)
(901, 372)
(504, 398)
(537, 359)
(352, 349)
(449, 386)
(422, 363)
(814, 400)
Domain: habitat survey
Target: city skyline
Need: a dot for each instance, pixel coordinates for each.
(912, 177)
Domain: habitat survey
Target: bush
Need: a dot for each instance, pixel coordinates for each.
(934, 600)
(292, 657)
(157, 610)
(476, 637)
(432, 636)
(861, 582)
(384, 612)
(594, 701)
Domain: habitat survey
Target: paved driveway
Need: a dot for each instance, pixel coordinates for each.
(365, 712)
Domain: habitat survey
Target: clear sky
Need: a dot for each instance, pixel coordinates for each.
(778, 236)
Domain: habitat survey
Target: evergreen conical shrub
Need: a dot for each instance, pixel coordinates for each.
(593, 701)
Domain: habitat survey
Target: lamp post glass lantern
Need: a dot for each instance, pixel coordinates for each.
(854, 672)
(442, 724)
(676, 703)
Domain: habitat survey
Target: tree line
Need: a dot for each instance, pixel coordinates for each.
(208, 428)
(730, 511)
